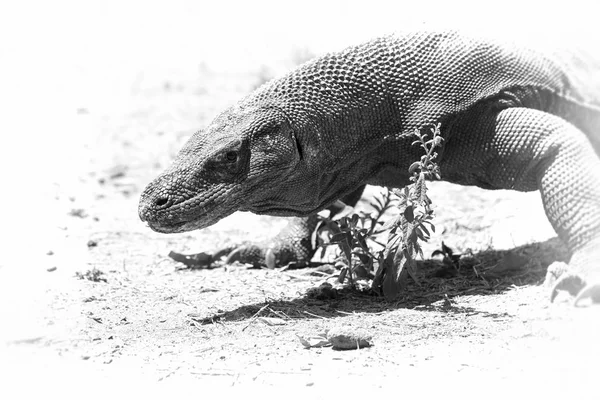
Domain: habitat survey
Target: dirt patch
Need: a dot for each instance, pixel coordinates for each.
(136, 318)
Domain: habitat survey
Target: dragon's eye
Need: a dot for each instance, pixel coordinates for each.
(231, 156)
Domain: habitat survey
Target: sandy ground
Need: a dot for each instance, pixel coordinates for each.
(99, 100)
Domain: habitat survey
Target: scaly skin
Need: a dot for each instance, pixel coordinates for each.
(513, 117)
(293, 243)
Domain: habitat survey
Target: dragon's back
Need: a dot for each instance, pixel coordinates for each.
(429, 75)
(569, 69)
(572, 75)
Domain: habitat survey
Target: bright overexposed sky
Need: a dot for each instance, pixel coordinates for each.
(90, 48)
(56, 55)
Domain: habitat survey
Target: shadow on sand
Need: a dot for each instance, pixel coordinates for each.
(488, 272)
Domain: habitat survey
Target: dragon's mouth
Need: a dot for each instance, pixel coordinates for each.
(286, 210)
(182, 216)
(179, 227)
(282, 211)
(173, 228)
(193, 220)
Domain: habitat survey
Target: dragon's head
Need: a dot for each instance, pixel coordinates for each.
(248, 159)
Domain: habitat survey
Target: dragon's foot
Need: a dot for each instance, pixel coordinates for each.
(562, 277)
(590, 291)
(250, 253)
(293, 244)
(271, 255)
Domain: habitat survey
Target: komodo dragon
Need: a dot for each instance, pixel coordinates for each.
(512, 116)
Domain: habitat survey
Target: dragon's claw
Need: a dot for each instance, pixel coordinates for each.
(590, 291)
(561, 277)
(570, 282)
(246, 253)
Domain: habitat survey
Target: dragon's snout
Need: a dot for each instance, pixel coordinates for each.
(152, 201)
(169, 209)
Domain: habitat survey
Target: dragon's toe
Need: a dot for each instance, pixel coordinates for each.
(569, 281)
(250, 253)
(562, 277)
(293, 244)
(590, 291)
(271, 255)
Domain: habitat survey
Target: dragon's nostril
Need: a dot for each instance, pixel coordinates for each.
(161, 201)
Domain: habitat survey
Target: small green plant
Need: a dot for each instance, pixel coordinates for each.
(356, 235)
(398, 259)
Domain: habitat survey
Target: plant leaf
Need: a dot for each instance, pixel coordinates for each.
(438, 253)
(339, 237)
(447, 250)
(409, 214)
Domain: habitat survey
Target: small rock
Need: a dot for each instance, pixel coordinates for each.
(322, 292)
(51, 269)
(78, 212)
(346, 338)
(92, 243)
(118, 171)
